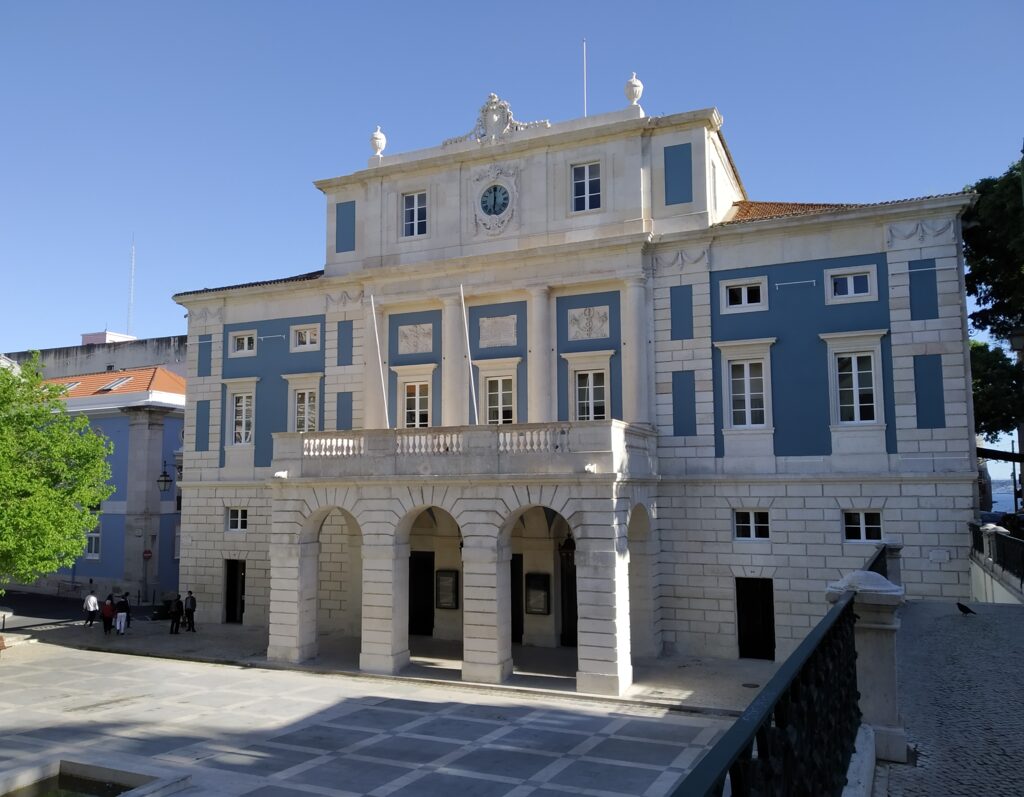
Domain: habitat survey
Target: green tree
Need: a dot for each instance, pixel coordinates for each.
(53, 476)
(993, 233)
(998, 387)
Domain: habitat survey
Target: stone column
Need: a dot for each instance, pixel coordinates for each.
(602, 593)
(385, 624)
(294, 574)
(454, 374)
(374, 402)
(634, 351)
(486, 613)
(875, 604)
(142, 499)
(541, 346)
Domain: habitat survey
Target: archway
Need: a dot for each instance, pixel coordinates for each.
(339, 586)
(643, 604)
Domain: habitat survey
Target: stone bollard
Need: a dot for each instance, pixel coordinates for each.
(893, 560)
(875, 605)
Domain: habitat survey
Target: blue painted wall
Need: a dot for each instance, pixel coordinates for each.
(681, 311)
(797, 314)
(116, 429)
(204, 355)
(924, 291)
(202, 426)
(344, 416)
(562, 307)
(518, 309)
(928, 392)
(111, 561)
(345, 227)
(433, 356)
(272, 359)
(678, 174)
(684, 404)
(344, 343)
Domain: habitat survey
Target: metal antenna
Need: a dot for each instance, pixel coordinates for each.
(584, 77)
(131, 288)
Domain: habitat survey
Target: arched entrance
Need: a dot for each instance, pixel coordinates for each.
(339, 578)
(643, 604)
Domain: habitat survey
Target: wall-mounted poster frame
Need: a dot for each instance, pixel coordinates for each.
(538, 593)
(446, 589)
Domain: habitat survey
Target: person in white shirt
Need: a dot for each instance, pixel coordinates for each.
(92, 608)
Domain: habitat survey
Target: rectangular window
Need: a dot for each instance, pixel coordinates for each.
(414, 214)
(750, 525)
(305, 338)
(243, 344)
(417, 405)
(243, 419)
(586, 187)
(305, 411)
(846, 285)
(746, 392)
(238, 519)
(850, 285)
(590, 396)
(743, 295)
(855, 382)
(499, 400)
(862, 526)
(92, 544)
(123, 380)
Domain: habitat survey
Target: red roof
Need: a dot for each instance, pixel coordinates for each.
(745, 210)
(130, 380)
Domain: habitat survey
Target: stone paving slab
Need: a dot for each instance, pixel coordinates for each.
(241, 730)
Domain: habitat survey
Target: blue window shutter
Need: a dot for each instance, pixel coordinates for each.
(345, 227)
(204, 355)
(928, 393)
(344, 411)
(684, 404)
(344, 343)
(202, 426)
(678, 174)
(681, 311)
(924, 290)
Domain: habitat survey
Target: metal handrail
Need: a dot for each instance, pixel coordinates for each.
(708, 777)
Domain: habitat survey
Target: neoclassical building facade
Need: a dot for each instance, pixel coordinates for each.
(565, 385)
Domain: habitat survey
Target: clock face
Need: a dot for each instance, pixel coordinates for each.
(494, 200)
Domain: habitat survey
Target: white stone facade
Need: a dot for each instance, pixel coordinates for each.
(599, 332)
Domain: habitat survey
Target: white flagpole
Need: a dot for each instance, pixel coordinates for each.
(469, 356)
(584, 77)
(380, 363)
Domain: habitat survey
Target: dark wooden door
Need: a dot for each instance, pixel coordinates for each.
(567, 560)
(234, 590)
(755, 618)
(421, 593)
(516, 566)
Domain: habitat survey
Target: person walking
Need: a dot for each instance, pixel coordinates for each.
(190, 612)
(121, 615)
(92, 608)
(128, 610)
(107, 613)
(177, 609)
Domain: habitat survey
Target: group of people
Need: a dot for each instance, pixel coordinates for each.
(116, 613)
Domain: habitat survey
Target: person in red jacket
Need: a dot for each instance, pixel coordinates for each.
(107, 614)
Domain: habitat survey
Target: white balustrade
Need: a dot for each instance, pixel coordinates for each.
(428, 443)
(333, 446)
(531, 441)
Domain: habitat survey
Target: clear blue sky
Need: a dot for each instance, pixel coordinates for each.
(199, 127)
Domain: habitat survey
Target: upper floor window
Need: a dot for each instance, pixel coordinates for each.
(862, 526)
(744, 295)
(238, 519)
(591, 395)
(750, 524)
(414, 214)
(305, 410)
(855, 377)
(243, 344)
(305, 338)
(243, 418)
(92, 544)
(417, 405)
(845, 285)
(746, 384)
(586, 186)
(746, 392)
(123, 380)
(499, 400)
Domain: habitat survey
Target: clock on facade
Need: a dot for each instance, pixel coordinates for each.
(494, 200)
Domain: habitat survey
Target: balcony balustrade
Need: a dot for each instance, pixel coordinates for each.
(535, 448)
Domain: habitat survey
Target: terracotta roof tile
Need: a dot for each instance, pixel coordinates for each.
(312, 275)
(138, 380)
(747, 211)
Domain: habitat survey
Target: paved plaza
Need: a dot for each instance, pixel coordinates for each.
(255, 731)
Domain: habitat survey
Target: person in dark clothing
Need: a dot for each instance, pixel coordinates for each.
(177, 610)
(190, 612)
(107, 612)
(121, 610)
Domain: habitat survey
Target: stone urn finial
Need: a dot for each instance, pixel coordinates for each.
(634, 90)
(378, 141)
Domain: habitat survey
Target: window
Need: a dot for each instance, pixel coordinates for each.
(417, 405)
(92, 544)
(238, 519)
(750, 524)
(115, 384)
(499, 408)
(243, 344)
(414, 214)
(743, 295)
(862, 526)
(746, 392)
(305, 411)
(586, 187)
(305, 338)
(591, 403)
(69, 386)
(846, 285)
(243, 418)
(856, 386)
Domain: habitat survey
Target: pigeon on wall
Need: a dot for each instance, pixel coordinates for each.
(965, 610)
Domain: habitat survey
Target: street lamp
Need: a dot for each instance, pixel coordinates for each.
(164, 480)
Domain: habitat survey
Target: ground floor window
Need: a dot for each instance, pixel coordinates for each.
(751, 524)
(238, 519)
(862, 526)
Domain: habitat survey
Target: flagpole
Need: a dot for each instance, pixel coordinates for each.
(469, 357)
(380, 364)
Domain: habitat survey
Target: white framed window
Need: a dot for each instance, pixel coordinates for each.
(238, 519)
(743, 295)
(303, 401)
(243, 344)
(589, 385)
(751, 524)
(242, 419)
(746, 384)
(92, 544)
(304, 337)
(847, 285)
(586, 187)
(497, 389)
(413, 396)
(862, 526)
(305, 410)
(855, 377)
(414, 214)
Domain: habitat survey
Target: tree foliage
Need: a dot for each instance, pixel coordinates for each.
(998, 386)
(994, 250)
(53, 476)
